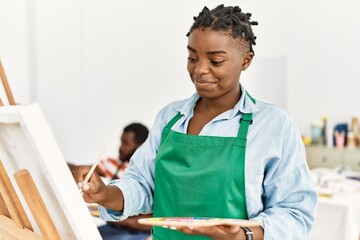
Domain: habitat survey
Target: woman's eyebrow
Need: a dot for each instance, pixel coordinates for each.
(191, 49)
(215, 52)
(208, 53)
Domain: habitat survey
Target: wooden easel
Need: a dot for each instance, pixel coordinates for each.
(6, 87)
(14, 223)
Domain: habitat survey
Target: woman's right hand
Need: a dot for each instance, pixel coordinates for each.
(95, 191)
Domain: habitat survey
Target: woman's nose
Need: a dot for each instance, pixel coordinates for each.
(202, 68)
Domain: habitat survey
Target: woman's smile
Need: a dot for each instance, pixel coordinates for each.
(204, 82)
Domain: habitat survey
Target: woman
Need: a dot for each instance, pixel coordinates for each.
(220, 153)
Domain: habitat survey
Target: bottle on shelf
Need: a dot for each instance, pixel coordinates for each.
(324, 130)
(355, 129)
(317, 132)
(351, 140)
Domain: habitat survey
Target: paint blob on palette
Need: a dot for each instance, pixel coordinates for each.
(195, 222)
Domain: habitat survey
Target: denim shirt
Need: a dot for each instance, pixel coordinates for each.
(280, 193)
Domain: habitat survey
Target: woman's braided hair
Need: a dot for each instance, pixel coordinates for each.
(229, 20)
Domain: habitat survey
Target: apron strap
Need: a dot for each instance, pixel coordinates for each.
(170, 124)
(173, 120)
(245, 122)
(252, 99)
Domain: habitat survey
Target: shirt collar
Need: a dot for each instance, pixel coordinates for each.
(245, 105)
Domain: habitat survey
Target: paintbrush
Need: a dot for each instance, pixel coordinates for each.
(92, 169)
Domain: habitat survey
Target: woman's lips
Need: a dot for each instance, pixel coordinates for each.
(204, 82)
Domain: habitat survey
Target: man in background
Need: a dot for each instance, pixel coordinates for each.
(132, 137)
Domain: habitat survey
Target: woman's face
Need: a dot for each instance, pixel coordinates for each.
(215, 63)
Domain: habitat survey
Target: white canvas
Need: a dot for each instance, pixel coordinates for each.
(26, 141)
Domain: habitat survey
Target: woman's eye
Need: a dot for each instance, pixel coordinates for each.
(192, 60)
(215, 63)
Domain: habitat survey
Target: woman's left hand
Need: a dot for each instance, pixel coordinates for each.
(218, 232)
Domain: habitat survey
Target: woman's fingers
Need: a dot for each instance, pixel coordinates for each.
(79, 173)
(214, 232)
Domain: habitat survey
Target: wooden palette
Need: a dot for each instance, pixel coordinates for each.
(195, 222)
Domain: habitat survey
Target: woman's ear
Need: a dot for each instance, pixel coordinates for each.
(247, 58)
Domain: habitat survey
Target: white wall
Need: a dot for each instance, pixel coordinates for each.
(15, 41)
(323, 72)
(95, 66)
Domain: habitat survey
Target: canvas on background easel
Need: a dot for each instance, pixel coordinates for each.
(50, 197)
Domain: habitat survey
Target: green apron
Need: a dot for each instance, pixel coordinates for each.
(199, 176)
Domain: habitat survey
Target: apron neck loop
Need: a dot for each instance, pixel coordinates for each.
(245, 121)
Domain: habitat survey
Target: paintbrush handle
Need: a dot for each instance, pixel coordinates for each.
(93, 167)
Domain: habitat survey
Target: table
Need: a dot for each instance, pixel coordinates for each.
(338, 215)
